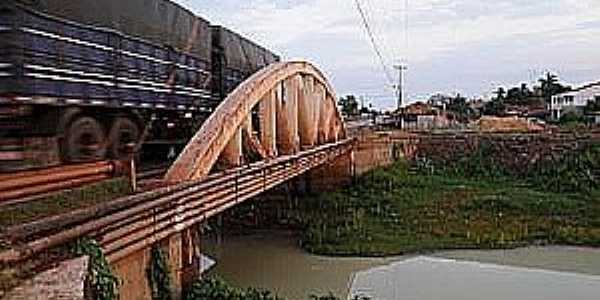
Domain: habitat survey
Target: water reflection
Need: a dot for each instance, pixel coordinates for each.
(273, 260)
(566, 259)
(438, 278)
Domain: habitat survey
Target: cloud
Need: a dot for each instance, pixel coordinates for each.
(453, 45)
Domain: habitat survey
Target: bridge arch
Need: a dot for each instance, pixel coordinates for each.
(280, 110)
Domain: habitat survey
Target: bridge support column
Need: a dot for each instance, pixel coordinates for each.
(190, 256)
(131, 270)
(318, 100)
(175, 251)
(268, 123)
(306, 107)
(287, 117)
(232, 154)
(325, 120)
(334, 130)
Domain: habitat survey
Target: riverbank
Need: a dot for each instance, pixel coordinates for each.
(398, 210)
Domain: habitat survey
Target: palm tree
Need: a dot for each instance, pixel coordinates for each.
(548, 85)
(525, 92)
(500, 93)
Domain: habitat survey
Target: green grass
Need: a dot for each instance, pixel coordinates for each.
(396, 211)
(63, 202)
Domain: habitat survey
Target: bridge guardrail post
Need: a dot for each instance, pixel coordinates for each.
(264, 179)
(237, 191)
(130, 167)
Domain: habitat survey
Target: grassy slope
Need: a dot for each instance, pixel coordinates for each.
(395, 211)
(63, 202)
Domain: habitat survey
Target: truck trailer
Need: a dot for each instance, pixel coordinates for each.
(86, 80)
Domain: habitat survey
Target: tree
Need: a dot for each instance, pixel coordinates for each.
(460, 109)
(522, 95)
(547, 84)
(550, 86)
(495, 107)
(571, 117)
(525, 91)
(513, 96)
(366, 110)
(348, 105)
(500, 93)
(519, 95)
(593, 106)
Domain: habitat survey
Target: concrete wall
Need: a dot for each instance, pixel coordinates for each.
(380, 149)
(517, 152)
(372, 150)
(65, 281)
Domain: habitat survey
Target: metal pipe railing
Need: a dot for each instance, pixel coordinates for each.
(22, 186)
(128, 223)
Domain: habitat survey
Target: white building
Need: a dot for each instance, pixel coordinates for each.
(574, 100)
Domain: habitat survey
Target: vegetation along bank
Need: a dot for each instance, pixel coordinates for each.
(470, 203)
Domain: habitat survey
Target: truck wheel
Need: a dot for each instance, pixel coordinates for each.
(124, 132)
(85, 141)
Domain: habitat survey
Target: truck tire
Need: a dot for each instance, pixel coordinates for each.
(123, 132)
(84, 141)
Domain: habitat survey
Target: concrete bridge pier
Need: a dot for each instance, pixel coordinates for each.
(333, 175)
(183, 252)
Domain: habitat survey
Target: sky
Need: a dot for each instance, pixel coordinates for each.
(449, 46)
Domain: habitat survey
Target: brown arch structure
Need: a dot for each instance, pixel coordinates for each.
(283, 109)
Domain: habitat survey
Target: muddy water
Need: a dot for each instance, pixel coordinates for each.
(273, 260)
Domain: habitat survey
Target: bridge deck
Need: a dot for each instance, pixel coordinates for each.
(129, 224)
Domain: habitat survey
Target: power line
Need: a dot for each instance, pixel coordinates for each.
(374, 42)
(370, 11)
(406, 34)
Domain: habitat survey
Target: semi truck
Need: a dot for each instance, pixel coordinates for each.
(88, 80)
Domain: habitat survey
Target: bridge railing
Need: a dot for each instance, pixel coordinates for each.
(129, 224)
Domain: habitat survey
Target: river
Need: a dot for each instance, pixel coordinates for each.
(273, 260)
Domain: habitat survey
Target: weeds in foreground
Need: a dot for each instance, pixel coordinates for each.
(101, 282)
(217, 289)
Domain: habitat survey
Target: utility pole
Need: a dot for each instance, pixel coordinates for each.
(362, 103)
(401, 68)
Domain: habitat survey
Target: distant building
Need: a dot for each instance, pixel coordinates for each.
(477, 105)
(532, 111)
(423, 116)
(574, 100)
(440, 101)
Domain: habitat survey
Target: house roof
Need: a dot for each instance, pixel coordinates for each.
(569, 93)
(419, 108)
(574, 91)
(587, 86)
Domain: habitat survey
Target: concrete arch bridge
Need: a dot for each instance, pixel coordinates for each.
(280, 123)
